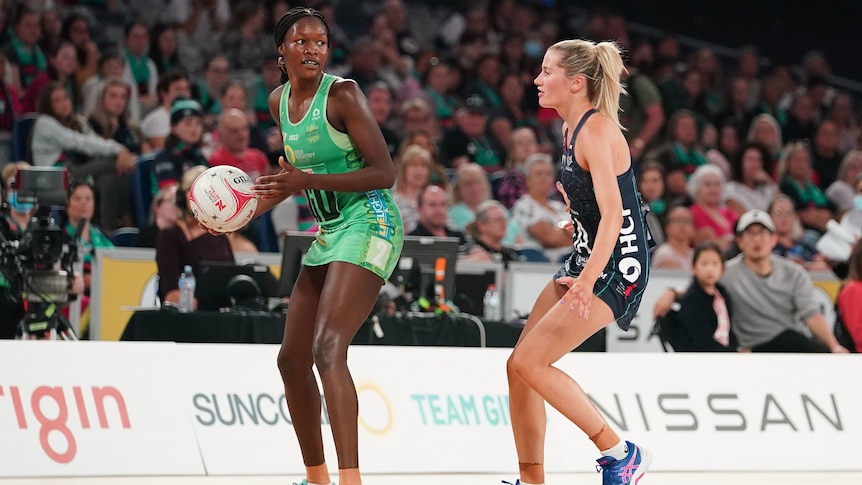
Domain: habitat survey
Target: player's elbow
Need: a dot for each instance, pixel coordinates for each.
(387, 178)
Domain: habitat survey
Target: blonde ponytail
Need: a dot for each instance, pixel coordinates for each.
(602, 65)
(609, 86)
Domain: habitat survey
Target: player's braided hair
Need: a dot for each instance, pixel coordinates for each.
(287, 20)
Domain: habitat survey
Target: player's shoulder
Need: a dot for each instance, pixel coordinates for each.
(344, 88)
(602, 129)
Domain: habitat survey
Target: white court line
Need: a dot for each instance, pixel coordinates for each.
(665, 478)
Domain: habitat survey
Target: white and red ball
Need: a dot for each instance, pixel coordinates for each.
(221, 198)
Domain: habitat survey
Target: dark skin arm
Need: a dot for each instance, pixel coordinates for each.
(348, 112)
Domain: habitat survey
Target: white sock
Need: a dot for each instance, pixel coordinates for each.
(618, 451)
(309, 483)
(525, 483)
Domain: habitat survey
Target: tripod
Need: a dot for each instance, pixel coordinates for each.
(44, 321)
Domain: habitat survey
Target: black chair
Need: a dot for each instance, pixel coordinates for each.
(125, 237)
(19, 146)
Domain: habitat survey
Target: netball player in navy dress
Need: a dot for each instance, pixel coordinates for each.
(605, 277)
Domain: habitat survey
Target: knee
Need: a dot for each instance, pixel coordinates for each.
(328, 351)
(291, 362)
(518, 365)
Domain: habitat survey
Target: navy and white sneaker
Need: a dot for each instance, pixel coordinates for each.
(627, 471)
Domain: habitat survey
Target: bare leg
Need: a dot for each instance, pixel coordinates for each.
(350, 293)
(556, 334)
(527, 408)
(295, 361)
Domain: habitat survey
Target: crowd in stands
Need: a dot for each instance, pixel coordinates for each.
(131, 95)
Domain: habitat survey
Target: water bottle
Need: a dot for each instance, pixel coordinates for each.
(492, 304)
(187, 285)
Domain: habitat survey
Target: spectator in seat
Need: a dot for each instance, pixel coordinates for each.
(467, 141)
(26, 59)
(539, 217)
(62, 137)
(487, 232)
(234, 134)
(703, 322)
(10, 105)
(165, 49)
(209, 88)
(187, 242)
(795, 179)
(713, 221)
(76, 29)
(163, 215)
(850, 297)
(432, 209)
(510, 183)
(424, 140)
(650, 180)
(110, 117)
(62, 64)
(413, 175)
(156, 126)
(775, 309)
(676, 251)
(841, 191)
(680, 155)
(751, 187)
(791, 241)
(182, 148)
(140, 71)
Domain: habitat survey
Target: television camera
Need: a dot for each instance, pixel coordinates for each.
(39, 268)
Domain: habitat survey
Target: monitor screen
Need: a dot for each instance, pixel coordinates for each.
(46, 186)
(296, 244)
(416, 268)
(212, 282)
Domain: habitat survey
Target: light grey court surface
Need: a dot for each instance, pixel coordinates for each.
(476, 479)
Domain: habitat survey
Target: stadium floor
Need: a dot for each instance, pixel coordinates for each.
(666, 478)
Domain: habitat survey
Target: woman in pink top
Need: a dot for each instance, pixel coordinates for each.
(713, 221)
(850, 297)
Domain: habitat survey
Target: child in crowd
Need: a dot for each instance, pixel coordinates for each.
(702, 323)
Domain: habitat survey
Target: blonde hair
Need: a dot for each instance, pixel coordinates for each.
(185, 186)
(410, 153)
(482, 211)
(845, 164)
(602, 65)
(771, 121)
(190, 175)
(789, 151)
(465, 171)
(165, 194)
(10, 169)
(796, 230)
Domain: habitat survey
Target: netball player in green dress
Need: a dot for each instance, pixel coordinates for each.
(336, 154)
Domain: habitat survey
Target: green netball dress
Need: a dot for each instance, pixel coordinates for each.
(362, 228)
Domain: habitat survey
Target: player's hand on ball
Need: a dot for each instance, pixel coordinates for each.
(212, 231)
(281, 185)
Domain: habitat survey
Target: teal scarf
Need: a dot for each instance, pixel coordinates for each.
(31, 60)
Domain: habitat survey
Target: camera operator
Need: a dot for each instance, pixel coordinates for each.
(81, 205)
